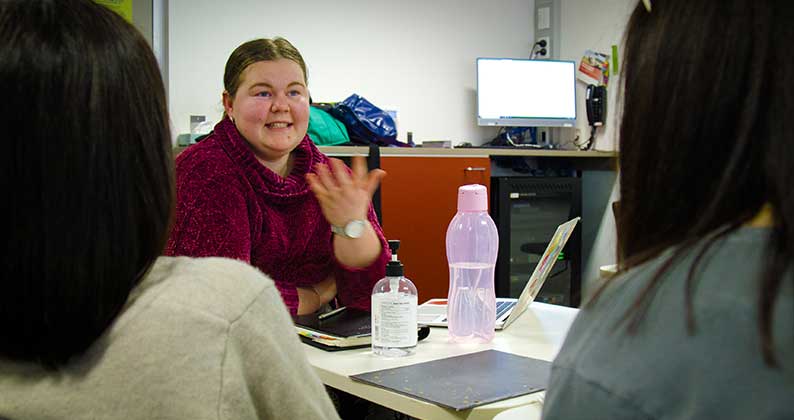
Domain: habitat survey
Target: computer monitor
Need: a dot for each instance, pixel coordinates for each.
(526, 93)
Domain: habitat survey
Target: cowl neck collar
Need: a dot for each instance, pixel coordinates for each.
(304, 156)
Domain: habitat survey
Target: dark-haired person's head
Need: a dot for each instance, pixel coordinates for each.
(707, 134)
(86, 173)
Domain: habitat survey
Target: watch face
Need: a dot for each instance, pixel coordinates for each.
(355, 228)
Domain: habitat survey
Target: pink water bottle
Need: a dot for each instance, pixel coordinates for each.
(472, 246)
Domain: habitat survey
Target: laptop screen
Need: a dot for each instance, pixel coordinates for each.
(541, 273)
(433, 312)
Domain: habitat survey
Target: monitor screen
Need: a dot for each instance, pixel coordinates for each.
(526, 93)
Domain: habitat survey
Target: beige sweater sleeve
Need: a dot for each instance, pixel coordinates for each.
(265, 373)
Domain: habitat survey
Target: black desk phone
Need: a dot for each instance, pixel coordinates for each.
(596, 103)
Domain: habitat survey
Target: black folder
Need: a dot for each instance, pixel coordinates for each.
(467, 381)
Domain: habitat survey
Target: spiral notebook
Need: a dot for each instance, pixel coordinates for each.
(434, 311)
(348, 329)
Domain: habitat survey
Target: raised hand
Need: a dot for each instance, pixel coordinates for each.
(344, 196)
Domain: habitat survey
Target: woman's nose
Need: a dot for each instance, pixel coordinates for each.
(279, 104)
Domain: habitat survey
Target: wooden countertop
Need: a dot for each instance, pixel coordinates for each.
(469, 151)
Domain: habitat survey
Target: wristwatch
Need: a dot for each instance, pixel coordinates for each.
(353, 229)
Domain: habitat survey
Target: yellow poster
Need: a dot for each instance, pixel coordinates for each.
(122, 7)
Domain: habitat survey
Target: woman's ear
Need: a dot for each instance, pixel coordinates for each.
(227, 105)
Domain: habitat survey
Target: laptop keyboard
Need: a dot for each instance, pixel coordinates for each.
(502, 307)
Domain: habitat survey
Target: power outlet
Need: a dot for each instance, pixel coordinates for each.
(547, 23)
(543, 51)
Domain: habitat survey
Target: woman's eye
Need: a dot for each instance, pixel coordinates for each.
(294, 93)
(263, 94)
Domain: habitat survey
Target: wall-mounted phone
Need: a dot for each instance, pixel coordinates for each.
(596, 104)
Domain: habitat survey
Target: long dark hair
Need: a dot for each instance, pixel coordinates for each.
(86, 171)
(707, 138)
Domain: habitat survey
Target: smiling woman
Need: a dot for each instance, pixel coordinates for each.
(271, 111)
(258, 190)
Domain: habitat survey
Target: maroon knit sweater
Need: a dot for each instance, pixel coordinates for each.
(230, 205)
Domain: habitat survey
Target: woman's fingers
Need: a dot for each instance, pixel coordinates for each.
(373, 180)
(316, 185)
(359, 165)
(344, 196)
(340, 174)
(368, 180)
(326, 178)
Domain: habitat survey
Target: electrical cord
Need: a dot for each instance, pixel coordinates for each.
(529, 145)
(587, 145)
(574, 141)
(509, 141)
(542, 51)
(591, 140)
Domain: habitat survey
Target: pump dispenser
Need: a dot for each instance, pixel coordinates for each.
(394, 301)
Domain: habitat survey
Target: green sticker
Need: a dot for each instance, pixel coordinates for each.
(122, 7)
(615, 60)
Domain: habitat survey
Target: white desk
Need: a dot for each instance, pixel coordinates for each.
(537, 333)
(532, 411)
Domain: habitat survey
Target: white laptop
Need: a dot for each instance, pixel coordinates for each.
(434, 311)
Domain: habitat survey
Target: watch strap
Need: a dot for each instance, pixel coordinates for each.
(343, 230)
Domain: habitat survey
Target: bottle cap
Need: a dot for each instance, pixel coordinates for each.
(473, 197)
(394, 268)
(394, 245)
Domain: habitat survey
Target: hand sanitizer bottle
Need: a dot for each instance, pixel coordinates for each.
(394, 300)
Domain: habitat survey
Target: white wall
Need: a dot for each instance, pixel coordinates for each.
(414, 56)
(596, 25)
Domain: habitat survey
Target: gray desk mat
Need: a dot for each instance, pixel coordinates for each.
(466, 381)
